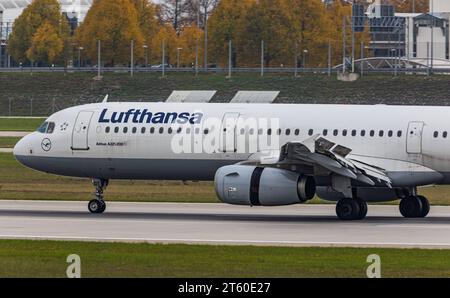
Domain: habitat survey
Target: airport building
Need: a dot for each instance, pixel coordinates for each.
(409, 35)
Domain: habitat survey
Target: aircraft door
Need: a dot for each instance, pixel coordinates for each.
(228, 133)
(414, 137)
(81, 131)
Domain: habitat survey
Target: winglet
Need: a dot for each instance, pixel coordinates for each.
(105, 100)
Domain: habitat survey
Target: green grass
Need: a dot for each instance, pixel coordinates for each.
(48, 259)
(20, 183)
(20, 124)
(55, 91)
(8, 142)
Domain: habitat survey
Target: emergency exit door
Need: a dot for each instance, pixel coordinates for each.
(414, 137)
(80, 135)
(228, 133)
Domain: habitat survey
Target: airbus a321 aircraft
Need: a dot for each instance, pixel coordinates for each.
(257, 154)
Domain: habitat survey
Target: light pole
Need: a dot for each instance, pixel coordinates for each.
(304, 58)
(146, 54)
(393, 59)
(178, 57)
(79, 56)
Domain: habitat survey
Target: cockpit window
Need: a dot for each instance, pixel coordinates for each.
(47, 127)
(43, 128)
(51, 127)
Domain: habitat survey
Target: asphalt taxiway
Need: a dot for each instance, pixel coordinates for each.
(299, 225)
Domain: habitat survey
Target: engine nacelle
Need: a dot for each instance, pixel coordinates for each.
(255, 186)
(368, 194)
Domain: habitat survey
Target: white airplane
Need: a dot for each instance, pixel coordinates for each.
(348, 154)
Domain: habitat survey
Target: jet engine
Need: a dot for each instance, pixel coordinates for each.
(256, 186)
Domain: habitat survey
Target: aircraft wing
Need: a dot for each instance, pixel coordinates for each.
(318, 151)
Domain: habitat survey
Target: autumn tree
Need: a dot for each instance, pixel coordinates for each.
(46, 44)
(116, 24)
(190, 43)
(165, 38)
(39, 17)
(267, 21)
(225, 24)
(147, 19)
(308, 30)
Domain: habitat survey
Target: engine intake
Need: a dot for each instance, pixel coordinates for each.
(256, 186)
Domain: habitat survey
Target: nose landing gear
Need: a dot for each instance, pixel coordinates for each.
(98, 205)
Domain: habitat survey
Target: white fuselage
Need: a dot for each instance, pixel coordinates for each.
(142, 140)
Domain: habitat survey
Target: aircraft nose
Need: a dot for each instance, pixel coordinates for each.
(23, 150)
(19, 149)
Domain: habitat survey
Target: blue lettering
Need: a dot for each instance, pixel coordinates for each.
(146, 116)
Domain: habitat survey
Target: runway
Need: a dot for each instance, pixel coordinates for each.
(299, 225)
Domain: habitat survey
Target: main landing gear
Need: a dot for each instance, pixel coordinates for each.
(414, 207)
(351, 209)
(98, 205)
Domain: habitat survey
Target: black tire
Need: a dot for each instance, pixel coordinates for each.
(348, 209)
(411, 207)
(96, 206)
(363, 208)
(425, 206)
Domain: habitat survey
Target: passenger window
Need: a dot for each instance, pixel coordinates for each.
(107, 129)
(436, 134)
(390, 133)
(152, 130)
(363, 133)
(161, 130)
(311, 132)
(445, 134)
(170, 130)
(206, 131)
(188, 130)
(260, 131)
(335, 132)
(269, 131)
(399, 133)
(43, 128)
(125, 129)
(344, 132)
(297, 132)
(279, 132)
(51, 127)
(251, 131)
(180, 130)
(353, 133)
(381, 133)
(288, 132)
(242, 131)
(325, 132)
(116, 129)
(134, 129)
(143, 129)
(372, 133)
(197, 131)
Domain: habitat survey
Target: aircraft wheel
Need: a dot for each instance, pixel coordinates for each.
(425, 206)
(411, 207)
(97, 206)
(363, 208)
(348, 209)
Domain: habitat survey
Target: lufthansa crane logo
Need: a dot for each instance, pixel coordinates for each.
(46, 145)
